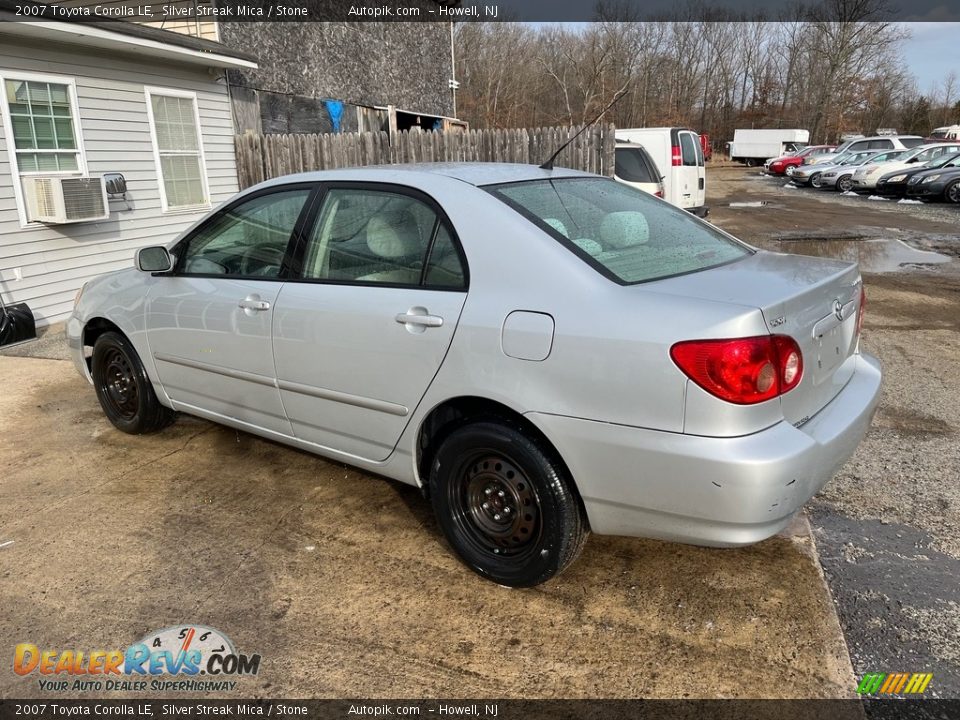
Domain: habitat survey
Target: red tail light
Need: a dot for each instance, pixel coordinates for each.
(863, 307)
(658, 193)
(676, 159)
(743, 371)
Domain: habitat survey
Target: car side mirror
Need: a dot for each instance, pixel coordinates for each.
(153, 259)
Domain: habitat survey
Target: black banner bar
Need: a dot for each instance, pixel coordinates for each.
(483, 10)
(134, 709)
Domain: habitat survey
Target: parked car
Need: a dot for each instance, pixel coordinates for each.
(679, 157)
(865, 178)
(754, 147)
(894, 184)
(812, 174)
(876, 142)
(706, 147)
(635, 167)
(936, 184)
(544, 352)
(779, 165)
(841, 177)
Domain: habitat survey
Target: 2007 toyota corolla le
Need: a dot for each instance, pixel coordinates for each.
(545, 352)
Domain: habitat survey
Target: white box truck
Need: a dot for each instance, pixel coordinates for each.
(755, 147)
(679, 158)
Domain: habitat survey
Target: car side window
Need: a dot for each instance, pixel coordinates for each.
(245, 240)
(859, 146)
(444, 267)
(374, 236)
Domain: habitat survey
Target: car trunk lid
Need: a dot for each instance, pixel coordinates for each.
(813, 300)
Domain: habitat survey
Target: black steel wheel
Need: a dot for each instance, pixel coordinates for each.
(506, 504)
(844, 183)
(952, 192)
(123, 388)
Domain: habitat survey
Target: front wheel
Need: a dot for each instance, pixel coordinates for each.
(952, 193)
(123, 388)
(844, 183)
(506, 504)
(815, 180)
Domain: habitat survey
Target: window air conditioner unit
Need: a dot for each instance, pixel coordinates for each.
(65, 199)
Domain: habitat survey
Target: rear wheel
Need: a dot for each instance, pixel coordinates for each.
(815, 180)
(123, 388)
(506, 504)
(844, 183)
(952, 192)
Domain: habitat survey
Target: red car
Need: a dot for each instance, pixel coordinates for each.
(778, 166)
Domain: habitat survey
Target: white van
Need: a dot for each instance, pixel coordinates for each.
(679, 158)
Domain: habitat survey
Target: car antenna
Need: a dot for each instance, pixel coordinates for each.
(548, 165)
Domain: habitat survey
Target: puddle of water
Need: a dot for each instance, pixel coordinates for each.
(755, 204)
(873, 255)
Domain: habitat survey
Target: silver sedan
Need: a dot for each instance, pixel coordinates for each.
(543, 352)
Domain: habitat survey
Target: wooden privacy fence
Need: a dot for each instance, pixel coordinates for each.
(261, 157)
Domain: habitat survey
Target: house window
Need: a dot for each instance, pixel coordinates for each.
(42, 125)
(178, 149)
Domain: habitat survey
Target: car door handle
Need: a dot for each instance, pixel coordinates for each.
(256, 304)
(419, 320)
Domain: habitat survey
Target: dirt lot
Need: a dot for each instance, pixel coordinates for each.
(888, 527)
(343, 584)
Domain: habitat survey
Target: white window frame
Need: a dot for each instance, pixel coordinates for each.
(16, 176)
(149, 92)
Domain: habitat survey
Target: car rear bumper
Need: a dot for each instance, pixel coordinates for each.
(722, 492)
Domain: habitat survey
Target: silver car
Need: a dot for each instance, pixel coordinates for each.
(543, 352)
(840, 177)
(814, 174)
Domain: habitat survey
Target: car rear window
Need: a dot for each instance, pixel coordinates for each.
(623, 233)
(632, 166)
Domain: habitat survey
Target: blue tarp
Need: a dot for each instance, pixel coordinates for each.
(335, 111)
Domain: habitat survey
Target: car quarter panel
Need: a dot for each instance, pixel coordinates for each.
(609, 358)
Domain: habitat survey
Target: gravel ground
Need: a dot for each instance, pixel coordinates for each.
(888, 527)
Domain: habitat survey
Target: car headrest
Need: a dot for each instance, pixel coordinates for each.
(393, 234)
(557, 225)
(624, 229)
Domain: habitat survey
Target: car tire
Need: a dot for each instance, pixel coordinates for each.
(815, 180)
(952, 192)
(124, 389)
(844, 183)
(506, 504)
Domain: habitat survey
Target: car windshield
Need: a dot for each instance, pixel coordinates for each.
(623, 233)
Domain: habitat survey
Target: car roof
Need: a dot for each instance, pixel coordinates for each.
(473, 173)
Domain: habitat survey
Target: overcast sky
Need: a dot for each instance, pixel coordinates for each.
(932, 52)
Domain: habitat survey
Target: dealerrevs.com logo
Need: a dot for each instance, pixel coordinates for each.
(189, 658)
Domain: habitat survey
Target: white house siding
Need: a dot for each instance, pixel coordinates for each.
(55, 260)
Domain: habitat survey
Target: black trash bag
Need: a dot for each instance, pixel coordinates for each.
(16, 323)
